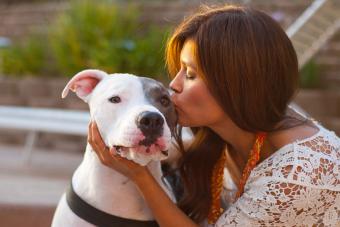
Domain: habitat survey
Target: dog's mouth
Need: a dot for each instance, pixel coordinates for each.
(143, 153)
(145, 150)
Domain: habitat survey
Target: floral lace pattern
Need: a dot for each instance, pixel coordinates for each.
(299, 185)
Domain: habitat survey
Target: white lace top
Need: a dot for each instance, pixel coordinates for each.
(299, 185)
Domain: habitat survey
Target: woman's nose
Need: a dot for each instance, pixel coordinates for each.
(176, 85)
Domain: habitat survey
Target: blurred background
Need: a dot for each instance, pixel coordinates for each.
(44, 43)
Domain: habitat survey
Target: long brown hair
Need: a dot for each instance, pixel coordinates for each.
(250, 67)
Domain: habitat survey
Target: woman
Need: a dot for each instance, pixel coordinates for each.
(234, 72)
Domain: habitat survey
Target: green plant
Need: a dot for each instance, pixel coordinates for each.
(107, 36)
(92, 34)
(309, 75)
(24, 58)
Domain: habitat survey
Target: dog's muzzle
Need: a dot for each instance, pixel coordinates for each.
(147, 138)
(151, 125)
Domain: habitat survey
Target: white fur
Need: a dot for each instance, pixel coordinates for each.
(95, 183)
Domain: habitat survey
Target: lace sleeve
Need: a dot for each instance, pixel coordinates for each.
(274, 203)
(298, 186)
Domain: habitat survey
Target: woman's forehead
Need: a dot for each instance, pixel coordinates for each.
(188, 54)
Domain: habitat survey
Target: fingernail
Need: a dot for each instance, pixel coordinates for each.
(113, 151)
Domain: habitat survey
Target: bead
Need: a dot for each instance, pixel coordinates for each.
(217, 177)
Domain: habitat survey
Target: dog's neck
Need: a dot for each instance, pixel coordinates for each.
(110, 191)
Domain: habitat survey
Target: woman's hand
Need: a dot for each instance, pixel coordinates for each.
(166, 215)
(110, 158)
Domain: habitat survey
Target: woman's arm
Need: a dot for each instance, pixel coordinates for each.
(165, 211)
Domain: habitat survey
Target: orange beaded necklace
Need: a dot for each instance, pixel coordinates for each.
(216, 189)
(217, 177)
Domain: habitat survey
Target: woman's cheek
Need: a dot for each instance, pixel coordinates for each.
(197, 99)
(191, 109)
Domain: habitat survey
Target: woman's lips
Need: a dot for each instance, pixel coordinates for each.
(174, 100)
(177, 108)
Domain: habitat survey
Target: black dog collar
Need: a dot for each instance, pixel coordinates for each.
(98, 217)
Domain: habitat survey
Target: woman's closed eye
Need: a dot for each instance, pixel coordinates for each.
(190, 76)
(187, 73)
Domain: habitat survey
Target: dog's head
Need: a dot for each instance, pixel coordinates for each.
(133, 114)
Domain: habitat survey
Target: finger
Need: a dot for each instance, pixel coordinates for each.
(113, 152)
(100, 147)
(93, 140)
(117, 160)
(97, 137)
(103, 155)
(90, 136)
(89, 126)
(108, 159)
(115, 155)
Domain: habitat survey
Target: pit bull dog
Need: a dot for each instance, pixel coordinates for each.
(136, 117)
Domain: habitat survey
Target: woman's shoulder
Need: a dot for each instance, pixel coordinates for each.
(300, 183)
(324, 144)
(312, 161)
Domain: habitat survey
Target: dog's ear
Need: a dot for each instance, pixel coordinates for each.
(83, 83)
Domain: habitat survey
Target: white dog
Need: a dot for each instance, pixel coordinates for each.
(134, 115)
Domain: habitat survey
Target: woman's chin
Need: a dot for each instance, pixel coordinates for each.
(183, 123)
(186, 123)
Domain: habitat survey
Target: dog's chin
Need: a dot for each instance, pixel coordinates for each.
(142, 154)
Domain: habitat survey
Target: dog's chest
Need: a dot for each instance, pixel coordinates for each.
(108, 190)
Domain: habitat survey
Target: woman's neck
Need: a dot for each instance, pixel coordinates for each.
(240, 141)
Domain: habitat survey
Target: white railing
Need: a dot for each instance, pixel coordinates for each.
(35, 120)
(314, 28)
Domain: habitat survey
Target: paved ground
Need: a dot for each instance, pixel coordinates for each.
(29, 191)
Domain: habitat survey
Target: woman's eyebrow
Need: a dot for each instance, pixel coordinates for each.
(188, 63)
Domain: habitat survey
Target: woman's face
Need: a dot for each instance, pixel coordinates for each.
(194, 104)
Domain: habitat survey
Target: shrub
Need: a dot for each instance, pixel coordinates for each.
(24, 58)
(309, 75)
(93, 34)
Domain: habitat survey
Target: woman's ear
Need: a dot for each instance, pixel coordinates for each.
(83, 83)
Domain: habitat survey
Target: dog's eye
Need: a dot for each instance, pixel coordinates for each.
(115, 99)
(165, 101)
